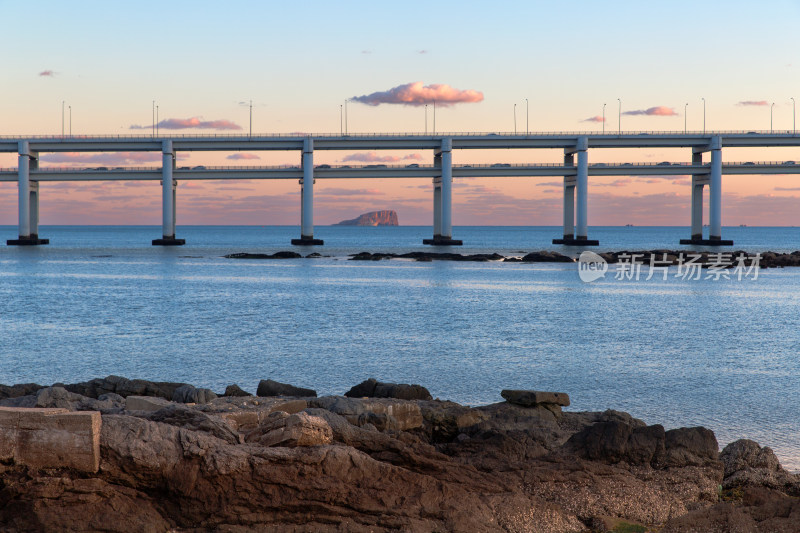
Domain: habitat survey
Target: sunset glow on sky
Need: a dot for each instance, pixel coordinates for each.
(203, 63)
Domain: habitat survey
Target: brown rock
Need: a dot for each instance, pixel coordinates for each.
(50, 438)
(300, 429)
(530, 398)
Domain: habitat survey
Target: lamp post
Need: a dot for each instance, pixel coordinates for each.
(794, 128)
(434, 117)
(251, 118)
(604, 119)
(70, 121)
(426, 119)
(341, 121)
(527, 116)
(685, 106)
(704, 115)
(770, 116)
(619, 116)
(62, 118)
(154, 118)
(515, 119)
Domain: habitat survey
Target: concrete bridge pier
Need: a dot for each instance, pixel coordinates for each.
(443, 198)
(714, 182)
(307, 198)
(168, 198)
(28, 199)
(579, 188)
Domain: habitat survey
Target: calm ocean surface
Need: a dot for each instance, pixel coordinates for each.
(102, 300)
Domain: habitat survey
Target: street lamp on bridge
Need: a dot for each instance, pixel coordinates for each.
(770, 116)
(704, 115)
(794, 128)
(619, 115)
(685, 107)
(604, 119)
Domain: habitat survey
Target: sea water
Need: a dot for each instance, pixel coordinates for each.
(680, 352)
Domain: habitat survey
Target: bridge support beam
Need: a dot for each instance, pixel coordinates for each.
(443, 198)
(307, 198)
(714, 182)
(581, 190)
(168, 198)
(28, 199)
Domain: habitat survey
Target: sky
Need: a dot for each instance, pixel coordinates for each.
(548, 65)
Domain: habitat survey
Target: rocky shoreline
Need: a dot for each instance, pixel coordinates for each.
(380, 457)
(729, 259)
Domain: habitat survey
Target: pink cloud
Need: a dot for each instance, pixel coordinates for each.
(47, 73)
(753, 103)
(243, 156)
(416, 94)
(109, 158)
(659, 111)
(594, 119)
(191, 123)
(373, 157)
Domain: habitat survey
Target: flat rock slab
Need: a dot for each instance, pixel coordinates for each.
(50, 438)
(530, 398)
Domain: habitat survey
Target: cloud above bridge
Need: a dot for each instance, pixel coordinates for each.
(191, 123)
(417, 94)
(597, 118)
(753, 103)
(658, 111)
(244, 155)
(47, 73)
(373, 157)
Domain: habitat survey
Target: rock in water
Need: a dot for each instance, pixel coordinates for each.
(267, 387)
(375, 218)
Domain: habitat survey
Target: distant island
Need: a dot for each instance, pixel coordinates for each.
(374, 218)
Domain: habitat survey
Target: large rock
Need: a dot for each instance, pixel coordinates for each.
(300, 429)
(15, 391)
(192, 394)
(383, 413)
(267, 387)
(690, 446)
(748, 464)
(124, 387)
(235, 390)
(530, 398)
(50, 438)
(372, 388)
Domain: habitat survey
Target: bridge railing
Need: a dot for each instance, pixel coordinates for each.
(301, 135)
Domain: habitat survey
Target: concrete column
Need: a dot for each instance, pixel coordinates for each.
(24, 187)
(447, 189)
(582, 186)
(443, 198)
(168, 198)
(569, 200)
(698, 183)
(307, 196)
(715, 191)
(28, 198)
(437, 208)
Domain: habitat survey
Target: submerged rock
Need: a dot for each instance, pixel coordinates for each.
(267, 387)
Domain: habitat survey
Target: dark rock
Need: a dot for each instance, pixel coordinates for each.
(529, 398)
(546, 257)
(276, 255)
(748, 464)
(192, 394)
(267, 387)
(185, 417)
(124, 387)
(372, 388)
(15, 391)
(694, 446)
(615, 441)
(235, 390)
